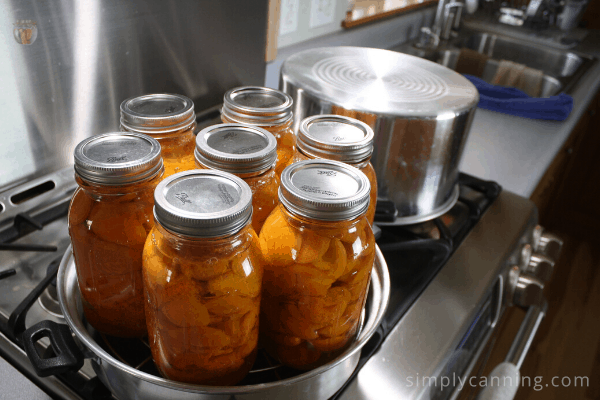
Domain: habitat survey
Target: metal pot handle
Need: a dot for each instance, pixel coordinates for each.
(68, 355)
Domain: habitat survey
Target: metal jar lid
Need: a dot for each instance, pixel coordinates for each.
(203, 203)
(255, 105)
(157, 113)
(118, 158)
(335, 137)
(236, 148)
(324, 190)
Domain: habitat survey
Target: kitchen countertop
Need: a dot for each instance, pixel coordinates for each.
(515, 151)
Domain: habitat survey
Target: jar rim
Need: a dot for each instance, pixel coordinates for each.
(256, 105)
(335, 137)
(236, 148)
(203, 203)
(118, 158)
(157, 113)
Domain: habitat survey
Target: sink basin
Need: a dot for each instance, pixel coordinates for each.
(562, 68)
(449, 58)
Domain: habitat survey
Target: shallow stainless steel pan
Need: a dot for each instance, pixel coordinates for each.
(127, 382)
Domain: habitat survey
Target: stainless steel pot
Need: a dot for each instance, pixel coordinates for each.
(126, 382)
(420, 112)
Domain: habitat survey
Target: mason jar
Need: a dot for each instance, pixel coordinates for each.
(248, 152)
(109, 219)
(203, 274)
(265, 108)
(339, 138)
(319, 250)
(168, 118)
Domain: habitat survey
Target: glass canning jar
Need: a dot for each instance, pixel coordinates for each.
(109, 219)
(203, 278)
(266, 108)
(248, 152)
(319, 250)
(168, 118)
(339, 138)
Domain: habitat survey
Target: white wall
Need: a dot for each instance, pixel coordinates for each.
(383, 35)
(301, 20)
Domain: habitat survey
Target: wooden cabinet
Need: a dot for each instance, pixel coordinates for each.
(568, 195)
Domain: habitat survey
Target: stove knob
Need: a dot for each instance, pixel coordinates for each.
(525, 256)
(536, 236)
(550, 245)
(546, 243)
(527, 290)
(541, 266)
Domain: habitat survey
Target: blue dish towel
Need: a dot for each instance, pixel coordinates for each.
(513, 101)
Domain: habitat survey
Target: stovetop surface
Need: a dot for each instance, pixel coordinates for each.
(414, 255)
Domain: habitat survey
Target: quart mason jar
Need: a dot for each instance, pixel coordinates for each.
(109, 219)
(248, 152)
(202, 275)
(319, 250)
(266, 108)
(168, 118)
(339, 138)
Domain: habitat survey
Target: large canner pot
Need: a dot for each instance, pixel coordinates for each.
(420, 112)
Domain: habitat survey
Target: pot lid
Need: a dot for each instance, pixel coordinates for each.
(379, 81)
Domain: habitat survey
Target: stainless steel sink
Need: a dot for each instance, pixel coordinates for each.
(562, 68)
(449, 58)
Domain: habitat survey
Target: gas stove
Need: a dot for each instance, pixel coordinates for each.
(451, 280)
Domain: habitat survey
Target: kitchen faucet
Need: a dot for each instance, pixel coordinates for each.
(447, 17)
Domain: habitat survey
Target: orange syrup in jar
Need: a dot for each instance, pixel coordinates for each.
(203, 279)
(319, 251)
(168, 118)
(110, 216)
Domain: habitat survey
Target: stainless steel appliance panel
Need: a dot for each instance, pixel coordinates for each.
(66, 66)
(419, 346)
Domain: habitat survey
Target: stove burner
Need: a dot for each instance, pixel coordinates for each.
(16, 321)
(49, 301)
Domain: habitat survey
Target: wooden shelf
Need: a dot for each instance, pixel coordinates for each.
(350, 23)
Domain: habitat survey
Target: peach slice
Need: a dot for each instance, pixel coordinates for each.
(184, 309)
(330, 344)
(117, 223)
(313, 247)
(279, 241)
(80, 208)
(334, 260)
(209, 268)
